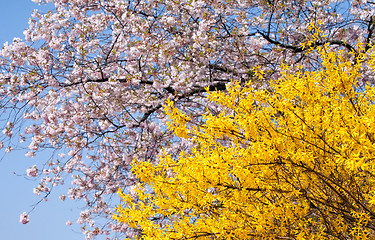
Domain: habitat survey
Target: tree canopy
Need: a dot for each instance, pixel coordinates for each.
(294, 161)
(90, 79)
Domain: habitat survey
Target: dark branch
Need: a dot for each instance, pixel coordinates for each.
(370, 29)
(296, 49)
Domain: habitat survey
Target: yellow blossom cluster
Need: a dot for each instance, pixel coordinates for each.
(294, 161)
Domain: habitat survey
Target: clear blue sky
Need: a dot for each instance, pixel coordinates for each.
(47, 221)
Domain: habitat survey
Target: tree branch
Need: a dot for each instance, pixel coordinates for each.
(296, 49)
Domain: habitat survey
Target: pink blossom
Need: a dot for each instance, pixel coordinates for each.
(32, 172)
(30, 154)
(24, 218)
(62, 197)
(8, 149)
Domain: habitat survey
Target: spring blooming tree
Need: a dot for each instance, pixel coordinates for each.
(295, 161)
(91, 76)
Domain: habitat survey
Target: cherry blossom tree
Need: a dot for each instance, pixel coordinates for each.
(91, 76)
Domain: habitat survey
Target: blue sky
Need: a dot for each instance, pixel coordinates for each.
(47, 221)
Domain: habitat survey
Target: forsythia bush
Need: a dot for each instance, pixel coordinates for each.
(294, 161)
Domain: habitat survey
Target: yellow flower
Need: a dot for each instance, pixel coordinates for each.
(293, 162)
